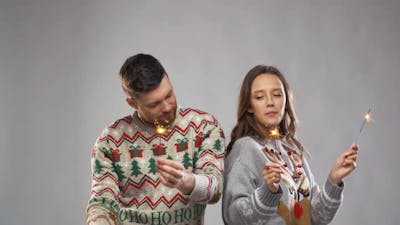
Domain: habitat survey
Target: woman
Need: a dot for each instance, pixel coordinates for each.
(267, 177)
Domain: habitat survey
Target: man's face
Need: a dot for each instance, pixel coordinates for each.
(158, 104)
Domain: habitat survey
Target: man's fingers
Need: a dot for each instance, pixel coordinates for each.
(169, 177)
(170, 163)
(170, 170)
(167, 183)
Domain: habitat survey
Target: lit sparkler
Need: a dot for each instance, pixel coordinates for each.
(367, 119)
(160, 127)
(274, 133)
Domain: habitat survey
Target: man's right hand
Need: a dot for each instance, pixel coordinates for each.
(174, 175)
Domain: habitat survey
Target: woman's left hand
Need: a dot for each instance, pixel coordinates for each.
(344, 164)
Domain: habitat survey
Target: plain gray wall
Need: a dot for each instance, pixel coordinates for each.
(58, 88)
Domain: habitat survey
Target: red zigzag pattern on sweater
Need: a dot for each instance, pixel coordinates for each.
(138, 185)
(145, 200)
(138, 134)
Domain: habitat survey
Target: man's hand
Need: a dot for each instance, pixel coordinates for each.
(174, 175)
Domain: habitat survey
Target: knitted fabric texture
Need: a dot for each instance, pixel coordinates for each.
(126, 187)
(247, 199)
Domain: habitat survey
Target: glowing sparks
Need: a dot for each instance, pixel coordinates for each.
(367, 119)
(160, 127)
(161, 130)
(274, 133)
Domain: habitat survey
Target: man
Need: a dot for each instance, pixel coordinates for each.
(162, 164)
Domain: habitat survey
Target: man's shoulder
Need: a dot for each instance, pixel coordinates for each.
(120, 124)
(197, 117)
(193, 113)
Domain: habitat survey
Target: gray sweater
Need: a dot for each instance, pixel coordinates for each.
(247, 199)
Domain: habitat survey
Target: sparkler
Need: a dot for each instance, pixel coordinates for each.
(367, 119)
(160, 127)
(274, 133)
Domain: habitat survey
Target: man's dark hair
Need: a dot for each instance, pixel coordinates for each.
(141, 73)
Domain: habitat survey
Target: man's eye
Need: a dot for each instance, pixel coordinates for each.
(153, 105)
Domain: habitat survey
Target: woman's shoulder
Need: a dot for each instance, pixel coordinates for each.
(247, 147)
(247, 153)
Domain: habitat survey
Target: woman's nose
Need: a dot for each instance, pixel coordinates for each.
(270, 101)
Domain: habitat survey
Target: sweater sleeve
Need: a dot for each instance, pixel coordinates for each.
(246, 203)
(103, 205)
(325, 202)
(208, 167)
(247, 199)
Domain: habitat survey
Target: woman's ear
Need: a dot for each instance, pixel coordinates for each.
(250, 110)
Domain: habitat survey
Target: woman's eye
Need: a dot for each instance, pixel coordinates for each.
(259, 97)
(152, 106)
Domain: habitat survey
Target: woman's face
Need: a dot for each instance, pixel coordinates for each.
(267, 100)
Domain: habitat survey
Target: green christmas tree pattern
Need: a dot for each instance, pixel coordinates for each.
(152, 166)
(119, 171)
(115, 156)
(195, 158)
(187, 161)
(217, 145)
(135, 168)
(98, 168)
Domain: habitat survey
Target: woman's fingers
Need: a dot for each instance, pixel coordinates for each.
(350, 158)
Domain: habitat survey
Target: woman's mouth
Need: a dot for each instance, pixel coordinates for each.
(271, 114)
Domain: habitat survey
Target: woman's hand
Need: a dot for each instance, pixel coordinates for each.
(272, 176)
(344, 164)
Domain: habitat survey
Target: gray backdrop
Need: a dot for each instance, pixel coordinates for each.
(59, 88)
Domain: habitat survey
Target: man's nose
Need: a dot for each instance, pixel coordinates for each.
(166, 106)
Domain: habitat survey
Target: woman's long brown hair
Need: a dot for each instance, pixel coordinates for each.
(246, 124)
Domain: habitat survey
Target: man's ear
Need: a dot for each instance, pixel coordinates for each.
(131, 102)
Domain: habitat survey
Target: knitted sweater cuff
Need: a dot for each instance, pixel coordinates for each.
(268, 198)
(333, 191)
(201, 190)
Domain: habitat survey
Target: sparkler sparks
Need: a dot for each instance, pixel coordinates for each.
(274, 133)
(160, 127)
(367, 119)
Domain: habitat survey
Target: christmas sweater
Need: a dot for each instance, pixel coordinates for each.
(126, 187)
(299, 200)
